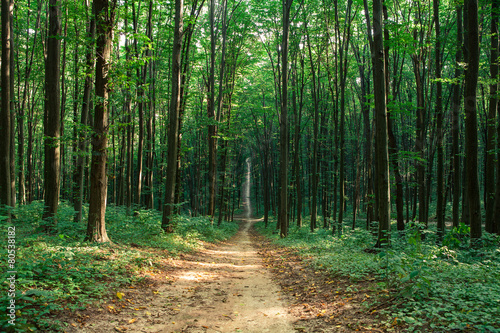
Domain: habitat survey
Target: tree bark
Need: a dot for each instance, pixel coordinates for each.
(52, 119)
(440, 210)
(5, 115)
(489, 176)
(456, 124)
(471, 145)
(315, 162)
(381, 147)
(212, 128)
(283, 170)
(105, 18)
(79, 175)
(173, 134)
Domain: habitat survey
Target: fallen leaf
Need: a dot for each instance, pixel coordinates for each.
(131, 321)
(119, 295)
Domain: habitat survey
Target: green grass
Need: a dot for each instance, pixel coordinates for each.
(438, 288)
(61, 272)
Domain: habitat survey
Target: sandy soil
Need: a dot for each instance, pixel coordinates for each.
(224, 288)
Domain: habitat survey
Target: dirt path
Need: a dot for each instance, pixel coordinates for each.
(224, 288)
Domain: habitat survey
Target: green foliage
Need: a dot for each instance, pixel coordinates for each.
(431, 288)
(60, 272)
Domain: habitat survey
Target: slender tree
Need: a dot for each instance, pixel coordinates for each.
(82, 144)
(212, 128)
(381, 146)
(52, 117)
(105, 12)
(283, 170)
(439, 125)
(455, 131)
(5, 113)
(471, 144)
(492, 119)
(173, 134)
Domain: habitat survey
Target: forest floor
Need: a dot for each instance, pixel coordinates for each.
(244, 284)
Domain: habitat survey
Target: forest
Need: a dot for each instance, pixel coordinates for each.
(362, 137)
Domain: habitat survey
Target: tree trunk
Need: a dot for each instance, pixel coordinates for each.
(471, 145)
(344, 62)
(283, 171)
(456, 124)
(393, 145)
(79, 175)
(5, 115)
(381, 147)
(489, 176)
(148, 180)
(104, 17)
(212, 128)
(52, 119)
(141, 76)
(440, 210)
(173, 134)
(315, 162)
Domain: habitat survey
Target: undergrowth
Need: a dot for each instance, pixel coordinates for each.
(61, 272)
(422, 287)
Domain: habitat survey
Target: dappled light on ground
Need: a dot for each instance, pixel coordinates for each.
(224, 288)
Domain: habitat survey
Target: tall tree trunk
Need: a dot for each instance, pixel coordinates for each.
(173, 134)
(471, 145)
(297, 109)
(365, 88)
(148, 180)
(24, 193)
(12, 115)
(315, 162)
(63, 104)
(79, 175)
(141, 76)
(76, 100)
(52, 118)
(439, 127)
(344, 61)
(212, 128)
(104, 17)
(5, 115)
(130, 135)
(489, 176)
(381, 147)
(283, 171)
(393, 145)
(456, 124)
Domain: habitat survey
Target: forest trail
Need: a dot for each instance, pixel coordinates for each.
(223, 288)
